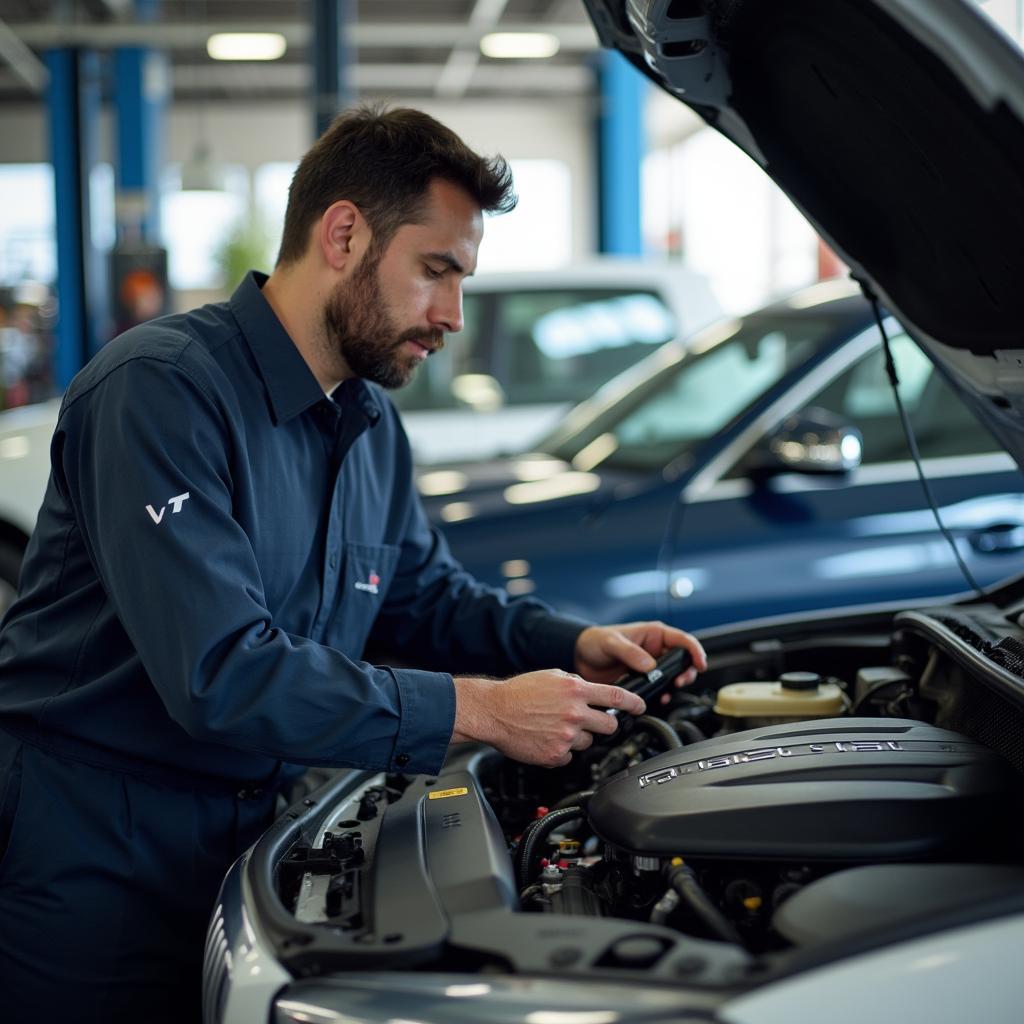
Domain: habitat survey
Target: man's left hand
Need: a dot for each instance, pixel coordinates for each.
(604, 653)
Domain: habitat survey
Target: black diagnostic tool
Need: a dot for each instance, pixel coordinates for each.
(651, 685)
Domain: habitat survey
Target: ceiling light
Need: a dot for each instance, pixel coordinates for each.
(510, 45)
(246, 46)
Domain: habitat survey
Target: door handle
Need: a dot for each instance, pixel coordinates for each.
(999, 537)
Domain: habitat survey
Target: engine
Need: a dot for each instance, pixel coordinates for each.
(858, 789)
(809, 789)
(777, 806)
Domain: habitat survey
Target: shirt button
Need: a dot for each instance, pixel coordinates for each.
(402, 760)
(334, 561)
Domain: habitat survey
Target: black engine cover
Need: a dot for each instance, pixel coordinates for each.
(846, 789)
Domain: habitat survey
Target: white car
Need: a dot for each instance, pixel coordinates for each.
(537, 343)
(25, 435)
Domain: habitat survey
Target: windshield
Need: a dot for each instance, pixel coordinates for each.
(680, 406)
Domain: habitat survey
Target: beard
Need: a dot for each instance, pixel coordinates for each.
(359, 328)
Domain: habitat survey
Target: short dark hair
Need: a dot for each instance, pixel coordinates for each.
(384, 161)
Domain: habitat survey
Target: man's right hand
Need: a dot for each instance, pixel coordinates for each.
(539, 717)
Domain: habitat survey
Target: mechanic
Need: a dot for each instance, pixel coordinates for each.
(230, 519)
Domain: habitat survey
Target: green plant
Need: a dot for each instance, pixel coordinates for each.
(247, 246)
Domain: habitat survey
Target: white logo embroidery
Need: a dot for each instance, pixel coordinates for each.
(176, 502)
(372, 586)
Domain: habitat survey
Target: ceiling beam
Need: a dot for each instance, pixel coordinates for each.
(574, 38)
(421, 78)
(463, 60)
(28, 68)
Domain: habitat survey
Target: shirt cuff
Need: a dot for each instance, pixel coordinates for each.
(426, 722)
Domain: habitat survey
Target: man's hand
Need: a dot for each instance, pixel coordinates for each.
(539, 717)
(603, 653)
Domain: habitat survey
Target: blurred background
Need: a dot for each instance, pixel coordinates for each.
(142, 169)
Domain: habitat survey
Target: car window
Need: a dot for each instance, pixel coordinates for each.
(561, 345)
(671, 414)
(943, 425)
(463, 353)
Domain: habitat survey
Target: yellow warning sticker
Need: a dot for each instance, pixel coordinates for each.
(443, 794)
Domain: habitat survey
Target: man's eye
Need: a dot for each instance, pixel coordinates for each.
(432, 273)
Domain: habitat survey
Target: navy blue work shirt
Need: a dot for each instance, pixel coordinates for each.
(217, 540)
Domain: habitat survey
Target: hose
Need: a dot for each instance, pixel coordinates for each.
(690, 731)
(668, 736)
(534, 834)
(577, 799)
(684, 882)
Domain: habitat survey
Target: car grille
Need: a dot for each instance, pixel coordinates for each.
(216, 969)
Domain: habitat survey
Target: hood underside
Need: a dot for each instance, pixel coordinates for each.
(897, 127)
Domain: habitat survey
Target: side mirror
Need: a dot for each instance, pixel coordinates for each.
(479, 391)
(812, 441)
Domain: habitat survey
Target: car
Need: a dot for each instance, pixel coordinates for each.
(761, 468)
(827, 825)
(533, 346)
(25, 435)
(537, 343)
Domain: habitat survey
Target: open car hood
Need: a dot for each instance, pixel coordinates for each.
(897, 128)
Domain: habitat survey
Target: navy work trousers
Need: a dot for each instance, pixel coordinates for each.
(107, 882)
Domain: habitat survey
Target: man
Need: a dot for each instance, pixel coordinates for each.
(230, 517)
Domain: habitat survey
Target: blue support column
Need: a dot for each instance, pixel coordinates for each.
(140, 77)
(72, 98)
(332, 59)
(621, 146)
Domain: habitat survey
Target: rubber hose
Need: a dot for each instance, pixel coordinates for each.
(534, 834)
(577, 799)
(668, 736)
(685, 883)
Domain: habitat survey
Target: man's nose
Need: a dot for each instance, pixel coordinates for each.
(446, 311)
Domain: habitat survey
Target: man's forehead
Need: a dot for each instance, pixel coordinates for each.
(450, 227)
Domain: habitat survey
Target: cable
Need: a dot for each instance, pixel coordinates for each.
(534, 834)
(890, 369)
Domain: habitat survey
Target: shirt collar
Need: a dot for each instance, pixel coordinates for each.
(289, 381)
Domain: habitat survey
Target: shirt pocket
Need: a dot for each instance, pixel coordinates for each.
(366, 573)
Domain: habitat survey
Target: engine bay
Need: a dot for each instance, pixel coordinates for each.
(812, 794)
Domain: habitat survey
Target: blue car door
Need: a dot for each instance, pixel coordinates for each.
(794, 542)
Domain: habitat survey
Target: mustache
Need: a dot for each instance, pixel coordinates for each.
(429, 337)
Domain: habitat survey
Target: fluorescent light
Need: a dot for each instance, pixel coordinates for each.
(457, 511)
(510, 45)
(16, 447)
(549, 490)
(824, 291)
(537, 468)
(596, 452)
(442, 482)
(246, 46)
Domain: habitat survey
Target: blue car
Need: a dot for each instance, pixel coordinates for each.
(760, 470)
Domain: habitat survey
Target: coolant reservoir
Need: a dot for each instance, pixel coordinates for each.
(794, 697)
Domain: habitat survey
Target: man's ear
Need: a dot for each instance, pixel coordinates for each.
(338, 227)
